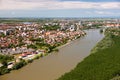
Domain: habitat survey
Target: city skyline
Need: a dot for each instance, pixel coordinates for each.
(59, 8)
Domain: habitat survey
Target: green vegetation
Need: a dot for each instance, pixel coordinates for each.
(19, 65)
(55, 27)
(30, 61)
(37, 56)
(2, 35)
(97, 25)
(4, 70)
(103, 63)
(47, 47)
(103, 44)
(56, 50)
(6, 58)
(36, 39)
(101, 30)
(20, 20)
(3, 60)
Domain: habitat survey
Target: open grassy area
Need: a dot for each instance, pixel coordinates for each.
(102, 64)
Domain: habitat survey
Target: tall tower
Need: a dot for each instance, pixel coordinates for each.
(79, 25)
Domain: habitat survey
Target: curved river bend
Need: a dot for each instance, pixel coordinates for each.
(54, 65)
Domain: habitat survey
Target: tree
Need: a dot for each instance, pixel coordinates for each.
(4, 62)
(19, 65)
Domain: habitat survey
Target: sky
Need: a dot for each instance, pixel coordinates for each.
(59, 8)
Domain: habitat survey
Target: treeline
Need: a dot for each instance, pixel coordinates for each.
(4, 69)
(19, 20)
(4, 59)
(51, 27)
(47, 47)
(17, 65)
(102, 64)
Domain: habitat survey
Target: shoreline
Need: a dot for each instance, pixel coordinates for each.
(38, 56)
(104, 58)
(51, 63)
(61, 46)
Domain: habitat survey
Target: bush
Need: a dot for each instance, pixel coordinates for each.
(56, 50)
(37, 57)
(4, 70)
(101, 30)
(6, 58)
(30, 60)
(19, 65)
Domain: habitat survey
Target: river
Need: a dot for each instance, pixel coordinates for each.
(56, 64)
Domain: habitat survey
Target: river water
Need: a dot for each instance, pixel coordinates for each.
(56, 64)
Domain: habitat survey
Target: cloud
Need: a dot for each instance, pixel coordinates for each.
(55, 4)
(103, 12)
(97, 0)
(33, 0)
(113, 5)
(106, 13)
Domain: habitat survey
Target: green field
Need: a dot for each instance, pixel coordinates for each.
(103, 63)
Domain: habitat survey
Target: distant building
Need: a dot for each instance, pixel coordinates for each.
(6, 32)
(1, 65)
(72, 28)
(79, 25)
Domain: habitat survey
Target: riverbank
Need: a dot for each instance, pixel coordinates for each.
(29, 58)
(56, 64)
(103, 62)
